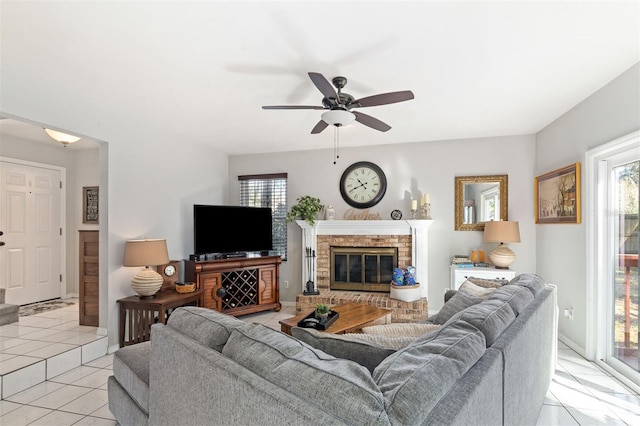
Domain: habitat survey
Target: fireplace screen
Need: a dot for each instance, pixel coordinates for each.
(362, 268)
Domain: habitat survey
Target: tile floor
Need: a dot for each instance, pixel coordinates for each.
(580, 394)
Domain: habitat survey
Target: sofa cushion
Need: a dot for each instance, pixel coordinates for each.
(131, 370)
(210, 328)
(533, 282)
(367, 350)
(518, 297)
(457, 303)
(415, 378)
(491, 317)
(339, 386)
(406, 329)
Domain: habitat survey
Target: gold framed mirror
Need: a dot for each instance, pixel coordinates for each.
(480, 199)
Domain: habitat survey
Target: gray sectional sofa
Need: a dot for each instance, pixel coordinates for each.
(489, 363)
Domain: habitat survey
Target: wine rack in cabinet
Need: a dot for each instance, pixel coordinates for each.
(237, 286)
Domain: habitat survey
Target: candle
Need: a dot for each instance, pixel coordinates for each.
(423, 200)
(414, 204)
(427, 199)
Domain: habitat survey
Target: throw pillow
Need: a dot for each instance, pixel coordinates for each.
(341, 387)
(489, 283)
(472, 289)
(400, 329)
(457, 303)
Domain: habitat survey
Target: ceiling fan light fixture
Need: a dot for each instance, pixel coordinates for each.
(338, 117)
(63, 138)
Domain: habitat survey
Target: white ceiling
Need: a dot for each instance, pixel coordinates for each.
(202, 70)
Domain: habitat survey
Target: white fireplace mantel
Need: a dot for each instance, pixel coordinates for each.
(418, 229)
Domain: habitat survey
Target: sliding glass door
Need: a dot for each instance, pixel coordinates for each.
(624, 202)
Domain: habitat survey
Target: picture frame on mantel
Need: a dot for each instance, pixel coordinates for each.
(90, 202)
(557, 196)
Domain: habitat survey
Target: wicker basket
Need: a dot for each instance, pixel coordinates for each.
(186, 288)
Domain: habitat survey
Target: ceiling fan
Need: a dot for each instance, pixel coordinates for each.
(338, 105)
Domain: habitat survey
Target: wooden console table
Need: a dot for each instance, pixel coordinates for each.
(138, 314)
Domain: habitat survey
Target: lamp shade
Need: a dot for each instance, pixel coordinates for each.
(63, 138)
(338, 117)
(501, 232)
(147, 252)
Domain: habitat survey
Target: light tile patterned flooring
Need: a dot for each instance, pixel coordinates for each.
(580, 394)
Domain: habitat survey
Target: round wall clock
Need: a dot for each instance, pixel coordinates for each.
(363, 184)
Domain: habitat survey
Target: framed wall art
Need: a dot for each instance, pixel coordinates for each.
(90, 204)
(557, 195)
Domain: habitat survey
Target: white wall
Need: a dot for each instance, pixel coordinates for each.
(611, 112)
(411, 169)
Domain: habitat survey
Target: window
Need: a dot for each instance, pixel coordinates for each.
(268, 190)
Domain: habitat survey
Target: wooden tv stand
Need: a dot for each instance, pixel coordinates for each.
(237, 286)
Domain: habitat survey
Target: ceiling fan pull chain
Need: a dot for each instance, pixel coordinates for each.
(336, 143)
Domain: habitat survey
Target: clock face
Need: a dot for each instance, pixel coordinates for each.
(169, 270)
(363, 184)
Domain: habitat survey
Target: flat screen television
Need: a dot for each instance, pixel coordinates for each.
(229, 230)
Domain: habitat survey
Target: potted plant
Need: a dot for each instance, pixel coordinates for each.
(322, 311)
(306, 208)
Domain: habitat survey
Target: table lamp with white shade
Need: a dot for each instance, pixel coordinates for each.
(501, 232)
(147, 252)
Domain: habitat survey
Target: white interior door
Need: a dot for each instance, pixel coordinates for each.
(30, 260)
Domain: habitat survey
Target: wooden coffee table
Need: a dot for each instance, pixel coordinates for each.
(353, 316)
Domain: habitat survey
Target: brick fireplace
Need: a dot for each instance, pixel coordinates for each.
(410, 237)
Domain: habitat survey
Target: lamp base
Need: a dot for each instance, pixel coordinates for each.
(147, 282)
(502, 256)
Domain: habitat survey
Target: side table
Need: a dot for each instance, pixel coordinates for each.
(138, 314)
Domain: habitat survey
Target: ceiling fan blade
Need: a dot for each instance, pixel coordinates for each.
(292, 107)
(383, 99)
(319, 127)
(323, 85)
(370, 121)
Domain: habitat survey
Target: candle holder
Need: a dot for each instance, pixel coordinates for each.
(426, 211)
(413, 212)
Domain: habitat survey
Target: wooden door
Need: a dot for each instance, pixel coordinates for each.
(31, 221)
(89, 278)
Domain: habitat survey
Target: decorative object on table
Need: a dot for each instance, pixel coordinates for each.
(363, 184)
(396, 215)
(331, 213)
(185, 287)
(414, 208)
(310, 288)
(322, 312)
(425, 206)
(306, 208)
(170, 274)
(557, 196)
(398, 276)
(311, 320)
(501, 232)
(409, 276)
(147, 252)
(90, 198)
